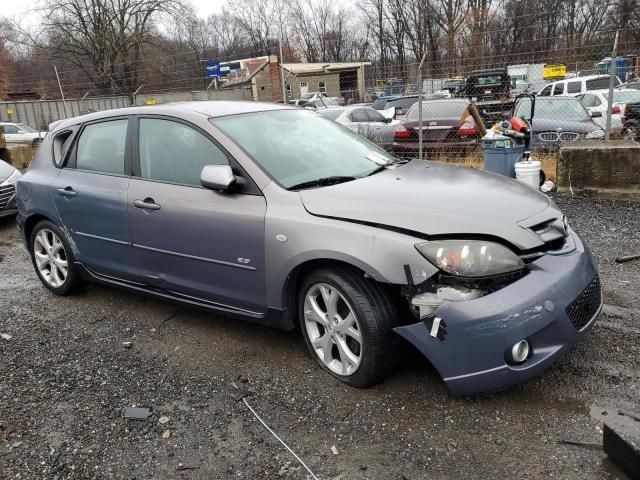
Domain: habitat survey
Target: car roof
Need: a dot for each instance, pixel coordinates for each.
(210, 108)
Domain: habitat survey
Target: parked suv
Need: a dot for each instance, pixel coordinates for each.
(243, 209)
(575, 86)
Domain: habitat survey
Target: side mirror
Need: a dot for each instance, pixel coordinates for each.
(596, 114)
(217, 177)
(388, 120)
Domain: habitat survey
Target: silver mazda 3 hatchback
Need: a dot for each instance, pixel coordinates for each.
(279, 216)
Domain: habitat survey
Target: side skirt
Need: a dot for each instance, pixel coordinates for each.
(274, 317)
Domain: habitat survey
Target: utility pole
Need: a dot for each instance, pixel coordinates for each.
(282, 85)
(64, 102)
(419, 82)
(612, 76)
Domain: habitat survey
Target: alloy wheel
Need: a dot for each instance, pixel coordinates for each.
(51, 257)
(333, 329)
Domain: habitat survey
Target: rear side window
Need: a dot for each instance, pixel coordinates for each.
(600, 83)
(101, 147)
(574, 87)
(558, 89)
(374, 115)
(176, 153)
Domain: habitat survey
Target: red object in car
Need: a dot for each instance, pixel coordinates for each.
(467, 128)
(518, 124)
(615, 109)
(401, 132)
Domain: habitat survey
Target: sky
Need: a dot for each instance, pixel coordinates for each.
(17, 8)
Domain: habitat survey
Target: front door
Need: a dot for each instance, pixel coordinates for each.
(90, 195)
(188, 239)
(304, 88)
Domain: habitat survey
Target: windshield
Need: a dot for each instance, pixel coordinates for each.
(626, 96)
(570, 109)
(27, 128)
(296, 146)
(431, 110)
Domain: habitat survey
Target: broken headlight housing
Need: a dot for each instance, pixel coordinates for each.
(471, 258)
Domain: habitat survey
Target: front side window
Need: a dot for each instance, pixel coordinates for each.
(296, 146)
(374, 115)
(546, 91)
(10, 129)
(101, 147)
(359, 116)
(176, 153)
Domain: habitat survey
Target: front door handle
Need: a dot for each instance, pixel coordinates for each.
(67, 192)
(146, 204)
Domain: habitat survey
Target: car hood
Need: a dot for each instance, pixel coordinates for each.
(434, 199)
(549, 125)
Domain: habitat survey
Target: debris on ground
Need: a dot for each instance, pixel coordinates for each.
(5, 336)
(187, 467)
(627, 258)
(334, 450)
(166, 434)
(162, 420)
(136, 413)
(127, 344)
(621, 441)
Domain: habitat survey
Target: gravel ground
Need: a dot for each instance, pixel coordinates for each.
(65, 378)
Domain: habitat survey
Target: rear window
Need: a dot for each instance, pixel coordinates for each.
(601, 83)
(432, 110)
(379, 104)
(626, 96)
(574, 87)
(403, 103)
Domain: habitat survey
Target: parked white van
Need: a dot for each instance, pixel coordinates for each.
(576, 86)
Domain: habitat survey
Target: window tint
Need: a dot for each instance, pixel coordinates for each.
(101, 147)
(374, 115)
(173, 152)
(10, 129)
(558, 89)
(546, 91)
(600, 83)
(359, 115)
(574, 87)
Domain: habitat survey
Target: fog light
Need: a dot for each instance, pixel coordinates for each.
(520, 351)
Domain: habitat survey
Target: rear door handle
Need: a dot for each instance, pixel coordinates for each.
(67, 192)
(146, 204)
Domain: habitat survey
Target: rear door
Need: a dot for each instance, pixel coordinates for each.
(90, 195)
(188, 239)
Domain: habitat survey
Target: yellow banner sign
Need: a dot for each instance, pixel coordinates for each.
(151, 101)
(554, 71)
(9, 111)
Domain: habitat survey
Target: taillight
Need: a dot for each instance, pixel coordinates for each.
(615, 109)
(401, 132)
(467, 128)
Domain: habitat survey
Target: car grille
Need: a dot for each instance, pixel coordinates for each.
(6, 192)
(582, 310)
(559, 136)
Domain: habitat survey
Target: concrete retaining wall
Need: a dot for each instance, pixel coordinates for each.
(597, 167)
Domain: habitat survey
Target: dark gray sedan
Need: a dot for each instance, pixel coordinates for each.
(281, 217)
(557, 120)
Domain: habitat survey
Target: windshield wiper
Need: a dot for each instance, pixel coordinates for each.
(321, 182)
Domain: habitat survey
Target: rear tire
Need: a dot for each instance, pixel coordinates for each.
(346, 321)
(53, 259)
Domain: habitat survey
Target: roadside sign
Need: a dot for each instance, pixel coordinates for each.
(212, 68)
(9, 110)
(151, 101)
(554, 71)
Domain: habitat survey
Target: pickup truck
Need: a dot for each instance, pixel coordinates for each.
(490, 90)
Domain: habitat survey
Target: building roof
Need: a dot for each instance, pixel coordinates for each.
(242, 76)
(325, 67)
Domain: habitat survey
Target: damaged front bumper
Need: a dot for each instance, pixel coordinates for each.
(551, 307)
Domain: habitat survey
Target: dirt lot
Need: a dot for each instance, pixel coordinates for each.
(65, 378)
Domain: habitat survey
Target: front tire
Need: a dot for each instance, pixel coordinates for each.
(53, 260)
(346, 321)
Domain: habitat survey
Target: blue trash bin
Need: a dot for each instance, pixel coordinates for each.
(501, 154)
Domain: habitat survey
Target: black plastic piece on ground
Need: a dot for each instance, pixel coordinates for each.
(621, 441)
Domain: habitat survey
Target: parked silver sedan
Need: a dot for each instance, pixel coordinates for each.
(365, 121)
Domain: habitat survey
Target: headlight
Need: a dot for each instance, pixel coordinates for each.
(594, 134)
(471, 258)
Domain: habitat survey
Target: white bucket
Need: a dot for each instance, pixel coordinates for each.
(529, 173)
